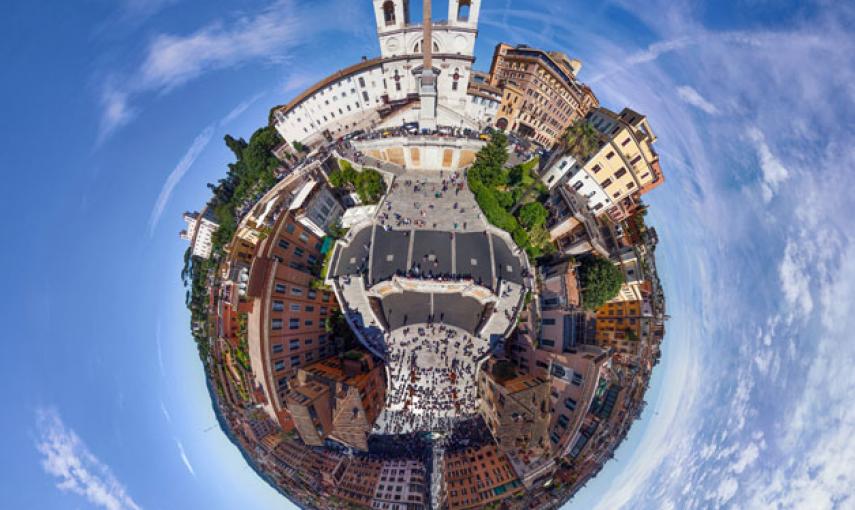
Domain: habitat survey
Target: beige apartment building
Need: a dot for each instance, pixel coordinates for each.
(626, 165)
(541, 95)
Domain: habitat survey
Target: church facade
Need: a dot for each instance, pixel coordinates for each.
(384, 91)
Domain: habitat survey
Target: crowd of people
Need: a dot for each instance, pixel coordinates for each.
(426, 195)
(432, 370)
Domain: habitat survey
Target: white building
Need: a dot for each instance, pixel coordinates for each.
(200, 231)
(565, 171)
(633, 277)
(384, 90)
(315, 207)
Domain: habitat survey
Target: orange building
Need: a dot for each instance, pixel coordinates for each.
(356, 480)
(477, 477)
(339, 398)
(620, 325)
(285, 328)
(540, 94)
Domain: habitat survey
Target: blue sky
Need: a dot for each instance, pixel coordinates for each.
(112, 124)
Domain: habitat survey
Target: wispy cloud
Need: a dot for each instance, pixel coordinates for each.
(184, 458)
(67, 458)
(773, 171)
(199, 143)
(238, 110)
(174, 59)
(694, 98)
(165, 412)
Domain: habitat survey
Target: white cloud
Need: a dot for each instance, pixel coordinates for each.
(171, 60)
(116, 112)
(726, 490)
(184, 458)
(199, 144)
(795, 279)
(747, 457)
(65, 457)
(165, 412)
(694, 98)
(774, 173)
(238, 110)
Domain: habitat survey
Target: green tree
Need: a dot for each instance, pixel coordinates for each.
(601, 281)
(370, 186)
(580, 140)
(533, 215)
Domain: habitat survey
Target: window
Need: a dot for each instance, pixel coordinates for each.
(293, 323)
(361, 81)
(577, 379)
(295, 360)
(279, 365)
(304, 237)
(548, 322)
(596, 168)
(284, 244)
(295, 307)
(620, 173)
(323, 310)
(312, 294)
(307, 322)
(610, 155)
(570, 404)
(546, 342)
(308, 308)
(298, 252)
(280, 288)
(294, 344)
(606, 183)
(289, 228)
(635, 160)
(277, 324)
(312, 259)
(296, 291)
(623, 143)
(278, 306)
(277, 348)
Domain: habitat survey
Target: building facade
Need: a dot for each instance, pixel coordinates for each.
(619, 171)
(386, 89)
(316, 208)
(285, 329)
(541, 95)
(402, 486)
(478, 477)
(200, 232)
(337, 398)
(515, 408)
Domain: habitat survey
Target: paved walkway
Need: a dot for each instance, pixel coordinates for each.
(431, 200)
(431, 372)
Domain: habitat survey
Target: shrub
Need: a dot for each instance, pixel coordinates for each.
(601, 281)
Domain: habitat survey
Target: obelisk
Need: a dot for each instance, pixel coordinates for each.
(427, 85)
